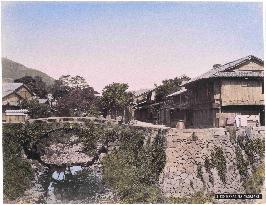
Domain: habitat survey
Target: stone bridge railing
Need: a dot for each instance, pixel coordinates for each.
(80, 120)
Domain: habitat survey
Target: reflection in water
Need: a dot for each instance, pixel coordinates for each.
(72, 185)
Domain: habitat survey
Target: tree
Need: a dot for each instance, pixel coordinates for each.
(115, 99)
(58, 90)
(74, 96)
(78, 102)
(36, 110)
(169, 86)
(35, 84)
(66, 83)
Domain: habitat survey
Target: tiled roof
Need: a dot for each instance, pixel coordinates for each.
(21, 112)
(239, 74)
(182, 90)
(221, 71)
(8, 88)
(17, 111)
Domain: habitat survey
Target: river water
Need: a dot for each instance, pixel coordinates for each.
(74, 184)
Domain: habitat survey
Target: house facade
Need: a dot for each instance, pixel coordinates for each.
(229, 94)
(15, 116)
(12, 95)
(146, 109)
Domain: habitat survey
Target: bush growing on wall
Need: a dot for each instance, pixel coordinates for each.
(133, 169)
(249, 155)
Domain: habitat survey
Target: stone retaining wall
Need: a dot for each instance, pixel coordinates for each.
(186, 152)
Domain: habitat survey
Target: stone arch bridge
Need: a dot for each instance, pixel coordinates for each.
(60, 142)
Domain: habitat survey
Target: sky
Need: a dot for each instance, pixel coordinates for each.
(136, 43)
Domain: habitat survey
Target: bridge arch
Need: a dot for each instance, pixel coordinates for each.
(85, 134)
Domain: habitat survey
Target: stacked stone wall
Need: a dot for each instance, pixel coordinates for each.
(185, 172)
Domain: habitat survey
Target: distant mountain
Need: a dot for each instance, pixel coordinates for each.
(12, 70)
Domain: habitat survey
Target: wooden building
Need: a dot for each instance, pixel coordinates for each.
(175, 108)
(229, 94)
(12, 95)
(222, 96)
(146, 109)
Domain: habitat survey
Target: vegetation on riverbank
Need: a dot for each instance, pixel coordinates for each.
(133, 169)
(17, 171)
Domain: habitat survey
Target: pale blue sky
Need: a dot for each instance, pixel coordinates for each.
(136, 43)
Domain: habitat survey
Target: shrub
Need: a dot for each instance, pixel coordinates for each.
(254, 183)
(133, 170)
(218, 161)
(17, 173)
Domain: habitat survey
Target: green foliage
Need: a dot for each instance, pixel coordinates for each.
(74, 97)
(66, 83)
(208, 166)
(35, 84)
(259, 146)
(200, 173)
(36, 110)
(253, 150)
(17, 173)
(241, 163)
(59, 89)
(91, 135)
(133, 170)
(197, 198)
(254, 183)
(218, 161)
(115, 98)
(78, 102)
(169, 86)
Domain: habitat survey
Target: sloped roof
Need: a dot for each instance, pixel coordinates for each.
(17, 112)
(222, 71)
(182, 90)
(141, 92)
(8, 88)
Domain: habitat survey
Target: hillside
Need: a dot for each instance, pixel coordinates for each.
(12, 70)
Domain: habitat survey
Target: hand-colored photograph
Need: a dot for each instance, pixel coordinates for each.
(133, 102)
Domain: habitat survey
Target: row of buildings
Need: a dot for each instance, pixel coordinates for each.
(229, 94)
